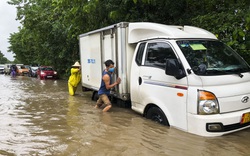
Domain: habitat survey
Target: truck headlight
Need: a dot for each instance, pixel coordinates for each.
(207, 103)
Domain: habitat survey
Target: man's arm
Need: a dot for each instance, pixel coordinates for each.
(106, 80)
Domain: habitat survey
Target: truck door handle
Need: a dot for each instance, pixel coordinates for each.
(139, 80)
(146, 76)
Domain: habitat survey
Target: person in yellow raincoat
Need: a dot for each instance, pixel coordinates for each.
(74, 78)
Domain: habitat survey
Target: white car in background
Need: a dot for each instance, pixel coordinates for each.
(1, 68)
(7, 69)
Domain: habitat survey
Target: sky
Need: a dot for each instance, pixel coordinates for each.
(8, 25)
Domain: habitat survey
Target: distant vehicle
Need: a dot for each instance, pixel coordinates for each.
(18, 67)
(46, 72)
(22, 69)
(1, 68)
(7, 69)
(32, 71)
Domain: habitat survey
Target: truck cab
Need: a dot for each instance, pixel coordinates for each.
(187, 83)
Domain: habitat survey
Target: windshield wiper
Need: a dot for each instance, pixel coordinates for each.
(237, 71)
(216, 71)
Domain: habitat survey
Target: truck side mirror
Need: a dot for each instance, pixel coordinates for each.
(174, 68)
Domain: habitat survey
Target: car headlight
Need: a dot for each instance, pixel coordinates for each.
(55, 72)
(207, 103)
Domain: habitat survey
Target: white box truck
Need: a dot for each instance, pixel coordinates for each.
(181, 76)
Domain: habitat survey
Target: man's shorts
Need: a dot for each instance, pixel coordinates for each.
(103, 99)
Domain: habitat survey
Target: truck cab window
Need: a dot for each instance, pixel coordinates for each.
(140, 54)
(157, 53)
(215, 57)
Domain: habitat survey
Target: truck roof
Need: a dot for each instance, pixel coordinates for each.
(146, 30)
(138, 31)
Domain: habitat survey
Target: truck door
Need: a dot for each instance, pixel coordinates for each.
(155, 87)
(108, 46)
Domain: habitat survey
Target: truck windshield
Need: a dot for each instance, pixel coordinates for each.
(212, 57)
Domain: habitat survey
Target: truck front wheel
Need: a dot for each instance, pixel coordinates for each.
(157, 115)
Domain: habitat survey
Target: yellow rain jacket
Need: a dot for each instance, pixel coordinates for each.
(75, 77)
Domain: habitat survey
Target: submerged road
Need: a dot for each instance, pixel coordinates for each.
(38, 117)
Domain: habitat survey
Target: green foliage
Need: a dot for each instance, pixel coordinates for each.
(3, 59)
(50, 28)
(230, 22)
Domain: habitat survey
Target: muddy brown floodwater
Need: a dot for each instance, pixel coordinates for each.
(38, 117)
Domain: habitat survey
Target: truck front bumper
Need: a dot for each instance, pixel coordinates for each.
(218, 124)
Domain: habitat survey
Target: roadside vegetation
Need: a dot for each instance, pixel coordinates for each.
(50, 28)
(3, 59)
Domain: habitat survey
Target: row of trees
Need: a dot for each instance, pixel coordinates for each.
(50, 28)
(3, 59)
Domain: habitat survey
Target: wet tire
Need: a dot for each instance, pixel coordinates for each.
(95, 96)
(157, 115)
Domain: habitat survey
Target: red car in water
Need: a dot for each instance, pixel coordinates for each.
(46, 72)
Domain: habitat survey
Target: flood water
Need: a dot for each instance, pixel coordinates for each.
(38, 117)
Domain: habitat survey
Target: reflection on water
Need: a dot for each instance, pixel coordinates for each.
(38, 117)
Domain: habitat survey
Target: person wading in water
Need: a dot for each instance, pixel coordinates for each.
(74, 78)
(106, 85)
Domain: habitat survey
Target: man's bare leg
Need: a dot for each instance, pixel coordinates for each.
(107, 108)
(98, 105)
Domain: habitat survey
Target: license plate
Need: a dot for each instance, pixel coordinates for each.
(49, 76)
(245, 118)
